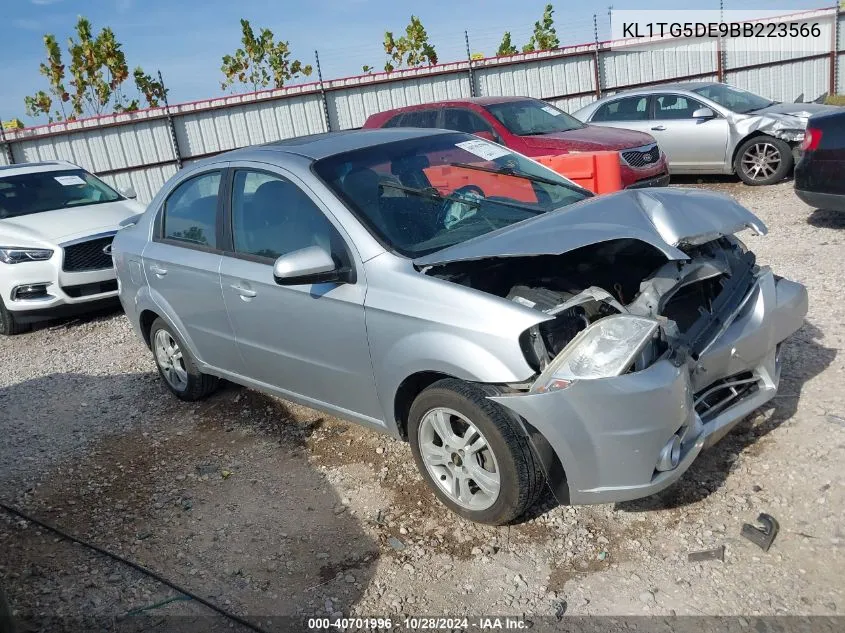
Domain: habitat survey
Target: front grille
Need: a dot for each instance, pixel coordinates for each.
(85, 290)
(642, 156)
(88, 255)
(724, 393)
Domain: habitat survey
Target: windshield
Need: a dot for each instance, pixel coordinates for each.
(733, 99)
(423, 194)
(532, 117)
(24, 194)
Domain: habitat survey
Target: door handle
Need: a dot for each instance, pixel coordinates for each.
(244, 292)
(658, 128)
(161, 272)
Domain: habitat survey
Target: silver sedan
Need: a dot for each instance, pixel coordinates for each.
(435, 286)
(711, 128)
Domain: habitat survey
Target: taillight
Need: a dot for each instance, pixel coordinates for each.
(812, 139)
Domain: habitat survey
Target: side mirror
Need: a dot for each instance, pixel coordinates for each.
(704, 113)
(128, 192)
(311, 265)
(488, 136)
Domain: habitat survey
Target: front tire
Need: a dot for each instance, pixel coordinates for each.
(176, 366)
(763, 160)
(9, 325)
(473, 454)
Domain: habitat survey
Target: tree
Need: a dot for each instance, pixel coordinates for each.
(54, 71)
(261, 62)
(506, 47)
(544, 37)
(152, 90)
(94, 79)
(410, 50)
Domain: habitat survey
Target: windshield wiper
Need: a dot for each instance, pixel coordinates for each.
(510, 171)
(430, 193)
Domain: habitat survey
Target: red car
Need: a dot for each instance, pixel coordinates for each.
(536, 128)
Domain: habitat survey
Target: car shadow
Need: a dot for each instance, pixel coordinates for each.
(803, 358)
(827, 219)
(105, 311)
(218, 496)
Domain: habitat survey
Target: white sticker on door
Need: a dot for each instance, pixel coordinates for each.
(66, 181)
(483, 149)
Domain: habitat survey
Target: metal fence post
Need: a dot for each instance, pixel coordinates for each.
(323, 94)
(721, 56)
(7, 145)
(834, 52)
(596, 59)
(170, 124)
(469, 67)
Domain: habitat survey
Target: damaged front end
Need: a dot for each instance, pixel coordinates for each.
(647, 353)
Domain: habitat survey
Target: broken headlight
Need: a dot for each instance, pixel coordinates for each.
(607, 348)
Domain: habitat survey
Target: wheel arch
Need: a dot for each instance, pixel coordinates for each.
(747, 137)
(146, 320)
(407, 392)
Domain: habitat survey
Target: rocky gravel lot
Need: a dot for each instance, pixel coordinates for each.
(268, 508)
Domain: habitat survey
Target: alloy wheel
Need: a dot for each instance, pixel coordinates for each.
(761, 161)
(459, 459)
(170, 360)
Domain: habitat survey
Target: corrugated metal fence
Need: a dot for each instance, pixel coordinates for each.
(145, 148)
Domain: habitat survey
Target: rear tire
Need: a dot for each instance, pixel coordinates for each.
(176, 366)
(763, 160)
(9, 325)
(482, 442)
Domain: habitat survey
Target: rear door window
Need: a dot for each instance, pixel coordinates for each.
(420, 118)
(190, 212)
(627, 109)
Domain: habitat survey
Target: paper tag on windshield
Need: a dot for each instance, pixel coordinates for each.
(483, 149)
(66, 181)
(552, 111)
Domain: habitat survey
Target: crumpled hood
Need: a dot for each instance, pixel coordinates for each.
(797, 110)
(54, 227)
(663, 218)
(590, 138)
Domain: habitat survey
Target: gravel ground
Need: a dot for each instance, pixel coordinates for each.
(267, 508)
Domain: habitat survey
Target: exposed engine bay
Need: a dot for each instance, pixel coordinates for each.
(691, 299)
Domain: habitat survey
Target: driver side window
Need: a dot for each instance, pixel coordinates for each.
(271, 217)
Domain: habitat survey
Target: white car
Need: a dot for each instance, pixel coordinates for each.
(57, 223)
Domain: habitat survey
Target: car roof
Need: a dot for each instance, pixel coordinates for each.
(686, 86)
(481, 101)
(32, 168)
(317, 146)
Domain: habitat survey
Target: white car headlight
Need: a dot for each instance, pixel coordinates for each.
(16, 255)
(606, 348)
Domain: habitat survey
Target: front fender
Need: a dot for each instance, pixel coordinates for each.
(443, 353)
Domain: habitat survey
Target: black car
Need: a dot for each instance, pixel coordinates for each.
(820, 174)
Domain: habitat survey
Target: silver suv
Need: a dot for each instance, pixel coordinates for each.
(436, 286)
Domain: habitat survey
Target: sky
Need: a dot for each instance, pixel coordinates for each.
(185, 40)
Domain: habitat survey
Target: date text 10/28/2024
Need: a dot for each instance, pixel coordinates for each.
(492, 623)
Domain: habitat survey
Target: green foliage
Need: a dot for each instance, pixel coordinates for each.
(506, 47)
(262, 62)
(544, 37)
(94, 78)
(410, 50)
(835, 100)
(54, 71)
